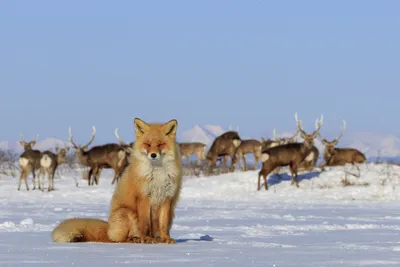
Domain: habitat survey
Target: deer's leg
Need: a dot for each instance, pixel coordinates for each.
(116, 176)
(90, 175)
(49, 180)
(293, 170)
(25, 176)
(21, 176)
(255, 160)
(26, 183)
(233, 163)
(198, 161)
(52, 179)
(96, 176)
(38, 178)
(244, 162)
(43, 174)
(34, 178)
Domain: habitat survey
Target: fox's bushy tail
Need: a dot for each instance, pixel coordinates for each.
(81, 230)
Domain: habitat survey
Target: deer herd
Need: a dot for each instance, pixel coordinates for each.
(273, 153)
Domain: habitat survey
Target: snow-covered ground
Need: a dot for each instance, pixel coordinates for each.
(221, 221)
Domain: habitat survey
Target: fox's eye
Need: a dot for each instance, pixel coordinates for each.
(161, 145)
(148, 145)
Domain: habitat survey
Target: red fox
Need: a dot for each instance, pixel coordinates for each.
(143, 204)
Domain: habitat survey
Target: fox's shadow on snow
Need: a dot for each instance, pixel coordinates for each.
(278, 178)
(202, 238)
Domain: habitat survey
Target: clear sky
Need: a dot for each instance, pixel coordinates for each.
(246, 63)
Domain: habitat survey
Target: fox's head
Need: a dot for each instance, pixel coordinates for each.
(156, 140)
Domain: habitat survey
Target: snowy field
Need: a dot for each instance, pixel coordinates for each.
(221, 221)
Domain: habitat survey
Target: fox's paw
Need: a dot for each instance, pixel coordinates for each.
(148, 240)
(135, 240)
(158, 240)
(168, 240)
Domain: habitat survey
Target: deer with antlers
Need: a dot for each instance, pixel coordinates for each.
(29, 162)
(334, 156)
(292, 154)
(49, 163)
(193, 148)
(310, 162)
(98, 157)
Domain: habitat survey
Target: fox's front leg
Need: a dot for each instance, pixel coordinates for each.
(155, 223)
(165, 220)
(144, 220)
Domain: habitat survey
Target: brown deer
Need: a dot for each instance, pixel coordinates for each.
(196, 148)
(249, 146)
(224, 145)
(334, 156)
(310, 162)
(291, 154)
(99, 157)
(49, 163)
(29, 162)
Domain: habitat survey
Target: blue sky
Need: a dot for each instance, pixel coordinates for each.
(246, 63)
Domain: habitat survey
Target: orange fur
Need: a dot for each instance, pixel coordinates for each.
(143, 203)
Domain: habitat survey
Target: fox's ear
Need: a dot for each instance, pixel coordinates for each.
(170, 127)
(140, 126)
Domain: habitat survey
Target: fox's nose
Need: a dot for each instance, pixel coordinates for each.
(153, 155)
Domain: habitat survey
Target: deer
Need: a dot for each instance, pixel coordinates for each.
(196, 148)
(334, 156)
(222, 146)
(292, 154)
(29, 162)
(128, 148)
(98, 157)
(249, 146)
(49, 163)
(310, 162)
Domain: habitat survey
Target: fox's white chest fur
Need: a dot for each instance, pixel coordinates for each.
(162, 182)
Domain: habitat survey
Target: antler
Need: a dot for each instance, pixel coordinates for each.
(22, 138)
(318, 124)
(119, 138)
(274, 134)
(342, 132)
(298, 123)
(70, 138)
(37, 137)
(91, 138)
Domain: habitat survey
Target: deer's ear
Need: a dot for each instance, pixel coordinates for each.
(57, 149)
(170, 127)
(32, 143)
(66, 150)
(140, 126)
